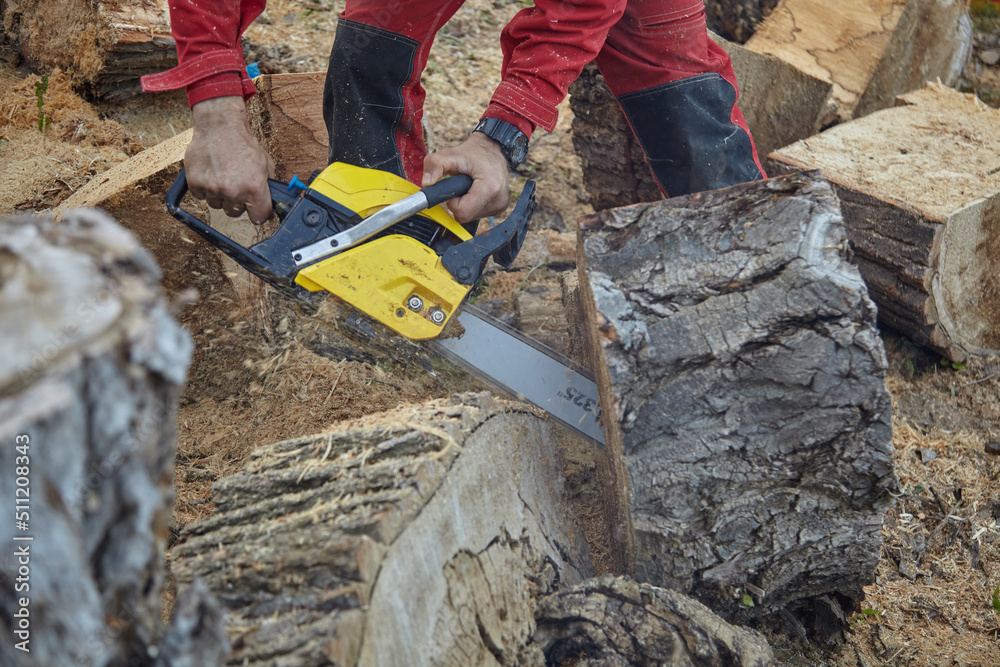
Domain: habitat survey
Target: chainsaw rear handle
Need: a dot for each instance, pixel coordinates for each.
(449, 188)
(245, 257)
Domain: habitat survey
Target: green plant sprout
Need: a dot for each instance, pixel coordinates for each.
(862, 616)
(954, 365)
(41, 87)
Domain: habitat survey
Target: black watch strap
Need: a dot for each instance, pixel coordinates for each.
(513, 142)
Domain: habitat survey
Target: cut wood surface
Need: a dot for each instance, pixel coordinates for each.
(869, 51)
(609, 621)
(106, 45)
(781, 103)
(91, 368)
(920, 191)
(287, 117)
(415, 537)
(741, 374)
(542, 316)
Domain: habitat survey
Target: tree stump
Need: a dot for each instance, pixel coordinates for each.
(743, 379)
(921, 198)
(91, 368)
(106, 45)
(416, 537)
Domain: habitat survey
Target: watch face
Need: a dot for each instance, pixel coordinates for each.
(519, 149)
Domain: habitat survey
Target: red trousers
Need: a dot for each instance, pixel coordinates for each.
(638, 45)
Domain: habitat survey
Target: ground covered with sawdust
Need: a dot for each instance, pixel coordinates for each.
(262, 375)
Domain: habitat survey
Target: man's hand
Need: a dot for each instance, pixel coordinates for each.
(479, 157)
(224, 163)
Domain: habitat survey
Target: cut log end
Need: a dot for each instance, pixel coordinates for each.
(596, 623)
(921, 203)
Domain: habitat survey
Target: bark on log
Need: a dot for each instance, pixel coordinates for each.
(739, 362)
(921, 198)
(781, 103)
(612, 622)
(91, 368)
(870, 52)
(106, 45)
(411, 538)
(614, 167)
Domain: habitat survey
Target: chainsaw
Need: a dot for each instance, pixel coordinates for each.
(402, 269)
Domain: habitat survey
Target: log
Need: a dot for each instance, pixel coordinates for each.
(91, 368)
(614, 621)
(870, 52)
(781, 103)
(920, 190)
(106, 45)
(737, 20)
(416, 537)
(614, 167)
(739, 365)
(541, 315)
(287, 118)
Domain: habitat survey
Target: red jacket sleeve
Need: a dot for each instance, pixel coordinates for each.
(210, 60)
(545, 47)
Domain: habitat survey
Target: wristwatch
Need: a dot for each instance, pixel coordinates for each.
(513, 142)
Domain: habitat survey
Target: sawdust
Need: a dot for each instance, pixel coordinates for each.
(291, 392)
(38, 169)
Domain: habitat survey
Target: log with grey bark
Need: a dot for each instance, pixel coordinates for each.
(415, 537)
(739, 362)
(91, 366)
(613, 622)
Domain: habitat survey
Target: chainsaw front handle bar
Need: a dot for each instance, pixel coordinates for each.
(422, 200)
(245, 257)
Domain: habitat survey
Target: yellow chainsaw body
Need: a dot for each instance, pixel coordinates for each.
(381, 277)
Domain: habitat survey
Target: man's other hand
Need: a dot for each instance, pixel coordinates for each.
(479, 157)
(224, 163)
